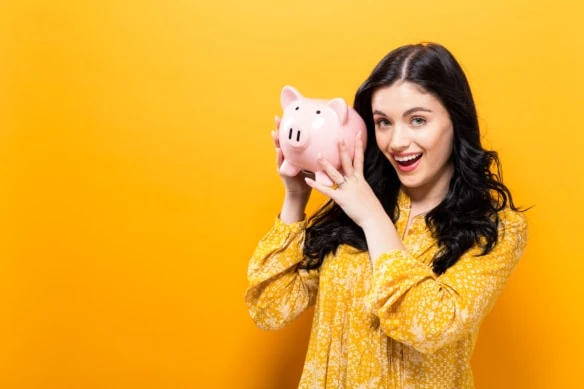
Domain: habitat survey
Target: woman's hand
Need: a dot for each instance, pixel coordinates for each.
(353, 194)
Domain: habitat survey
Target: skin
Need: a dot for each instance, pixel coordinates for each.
(408, 120)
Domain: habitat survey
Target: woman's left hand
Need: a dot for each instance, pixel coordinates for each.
(353, 194)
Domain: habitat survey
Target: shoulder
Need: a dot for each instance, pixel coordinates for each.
(512, 231)
(509, 218)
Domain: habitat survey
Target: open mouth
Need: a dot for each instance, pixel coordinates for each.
(408, 160)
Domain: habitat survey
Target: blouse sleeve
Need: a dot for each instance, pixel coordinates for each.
(426, 311)
(278, 291)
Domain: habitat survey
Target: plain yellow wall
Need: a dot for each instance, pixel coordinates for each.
(137, 175)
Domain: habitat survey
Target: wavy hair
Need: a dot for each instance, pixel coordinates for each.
(468, 215)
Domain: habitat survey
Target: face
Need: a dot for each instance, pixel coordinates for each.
(414, 132)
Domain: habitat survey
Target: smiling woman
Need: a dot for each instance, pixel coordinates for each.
(414, 132)
(412, 250)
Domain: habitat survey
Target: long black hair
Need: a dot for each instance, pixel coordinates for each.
(468, 215)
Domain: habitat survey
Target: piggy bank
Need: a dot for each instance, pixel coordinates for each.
(312, 126)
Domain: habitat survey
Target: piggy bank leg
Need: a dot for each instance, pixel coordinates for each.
(322, 178)
(287, 169)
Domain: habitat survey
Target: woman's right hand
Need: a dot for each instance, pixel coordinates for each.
(295, 185)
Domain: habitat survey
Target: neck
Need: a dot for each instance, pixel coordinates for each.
(425, 198)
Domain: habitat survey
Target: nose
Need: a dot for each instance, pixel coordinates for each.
(296, 136)
(400, 140)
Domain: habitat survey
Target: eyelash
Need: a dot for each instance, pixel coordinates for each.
(418, 118)
(379, 122)
(386, 123)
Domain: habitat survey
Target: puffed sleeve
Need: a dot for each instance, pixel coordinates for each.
(278, 291)
(425, 311)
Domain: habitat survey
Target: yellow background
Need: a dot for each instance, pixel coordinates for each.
(137, 175)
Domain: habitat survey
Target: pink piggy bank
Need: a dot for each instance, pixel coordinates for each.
(312, 126)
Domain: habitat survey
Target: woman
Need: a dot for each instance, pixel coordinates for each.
(414, 247)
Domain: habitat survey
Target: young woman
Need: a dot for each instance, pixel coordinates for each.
(414, 247)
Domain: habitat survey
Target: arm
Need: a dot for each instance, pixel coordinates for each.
(426, 311)
(278, 292)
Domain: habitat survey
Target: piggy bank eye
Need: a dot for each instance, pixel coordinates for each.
(317, 112)
(297, 108)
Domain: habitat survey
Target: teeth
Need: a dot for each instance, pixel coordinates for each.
(408, 158)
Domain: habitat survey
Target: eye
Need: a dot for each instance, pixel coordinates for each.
(382, 123)
(418, 121)
(317, 112)
(297, 108)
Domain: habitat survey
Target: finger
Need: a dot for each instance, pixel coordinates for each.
(329, 169)
(359, 154)
(325, 190)
(276, 138)
(279, 157)
(346, 162)
(277, 120)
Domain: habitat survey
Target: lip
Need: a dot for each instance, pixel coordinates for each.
(405, 154)
(406, 169)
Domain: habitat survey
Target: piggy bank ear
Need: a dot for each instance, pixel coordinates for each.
(289, 95)
(340, 107)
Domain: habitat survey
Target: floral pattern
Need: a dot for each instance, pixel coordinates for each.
(393, 325)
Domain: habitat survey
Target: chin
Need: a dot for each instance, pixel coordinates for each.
(409, 182)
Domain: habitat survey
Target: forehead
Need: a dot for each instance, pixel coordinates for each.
(402, 96)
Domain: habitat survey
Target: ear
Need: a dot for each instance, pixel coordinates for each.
(288, 96)
(340, 107)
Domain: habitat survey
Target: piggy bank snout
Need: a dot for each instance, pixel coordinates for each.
(296, 136)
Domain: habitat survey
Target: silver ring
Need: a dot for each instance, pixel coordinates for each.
(344, 180)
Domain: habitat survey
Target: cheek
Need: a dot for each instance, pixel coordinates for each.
(438, 141)
(381, 140)
(444, 146)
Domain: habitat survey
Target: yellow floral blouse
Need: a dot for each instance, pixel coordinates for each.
(396, 325)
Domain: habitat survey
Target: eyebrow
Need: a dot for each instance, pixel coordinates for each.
(406, 113)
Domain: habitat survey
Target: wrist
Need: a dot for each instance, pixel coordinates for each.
(293, 208)
(297, 195)
(375, 219)
(381, 236)
(376, 223)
